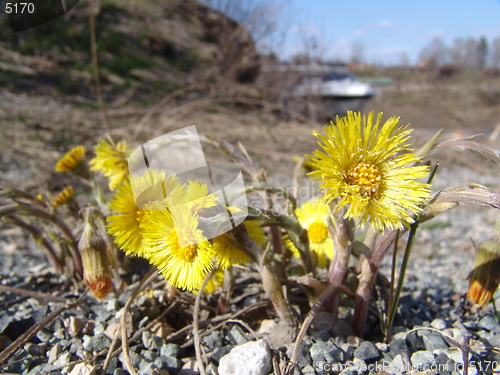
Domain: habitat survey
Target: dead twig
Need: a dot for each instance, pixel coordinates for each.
(196, 327)
(95, 65)
(32, 293)
(146, 280)
(245, 325)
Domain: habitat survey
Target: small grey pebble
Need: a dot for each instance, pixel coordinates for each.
(213, 340)
(398, 347)
(151, 341)
(97, 343)
(382, 346)
(168, 363)
(236, 336)
(44, 335)
(63, 359)
(149, 355)
(494, 341)
(308, 370)
(36, 350)
(146, 369)
(99, 328)
(221, 352)
(61, 334)
(438, 323)
(134, 357)
(489, 323)
(170, 350)
(421, 358)
(433, 342)
(321, 335)
(367, 351)
(54, 353)
(473, 326)
(112, 305)
(83, 354)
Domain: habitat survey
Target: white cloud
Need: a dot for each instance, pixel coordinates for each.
(385, 24)
(359, 32)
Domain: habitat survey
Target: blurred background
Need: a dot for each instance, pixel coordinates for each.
(265, 73)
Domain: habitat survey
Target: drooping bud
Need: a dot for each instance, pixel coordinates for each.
(93, 250)
(73, 162)
(485, 276)
(64, 196)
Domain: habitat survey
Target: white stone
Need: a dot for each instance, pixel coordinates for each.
(266, 325)
(251, 358)
(82, 369)
(54, 353)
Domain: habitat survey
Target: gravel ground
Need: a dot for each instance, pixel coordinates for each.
(78, 339)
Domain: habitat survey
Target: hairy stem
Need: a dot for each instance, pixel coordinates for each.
(342, 234)
(369, 269)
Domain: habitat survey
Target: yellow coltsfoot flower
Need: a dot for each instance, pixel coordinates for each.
(227, 251)
(63, 196)
(175, 244)
(111, 160)
(132, 200)
(73, 162)
(313, 216)
(362, 165)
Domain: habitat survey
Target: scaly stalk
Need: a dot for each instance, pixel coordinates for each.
(342, 233)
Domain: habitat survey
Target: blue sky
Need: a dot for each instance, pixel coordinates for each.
(386, 28)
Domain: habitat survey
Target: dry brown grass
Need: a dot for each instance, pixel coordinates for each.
(36, 130)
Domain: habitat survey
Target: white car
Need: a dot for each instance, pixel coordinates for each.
(339, 85)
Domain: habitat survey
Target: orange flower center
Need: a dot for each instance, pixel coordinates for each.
(366, 176)
(187, 253)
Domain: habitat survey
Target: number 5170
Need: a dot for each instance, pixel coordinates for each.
(19, 8)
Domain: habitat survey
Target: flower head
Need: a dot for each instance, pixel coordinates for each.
(63, 197)
(485, 276)
(226, 248)
(215, 282)
(111, 160)
(175, 244)
(128, 209)
(313, 216)
(197, 196)
(73, 161)
(362, 164)
(93, 250)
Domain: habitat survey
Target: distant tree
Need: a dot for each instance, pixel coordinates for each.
(260, 17)
(456, 52)
(404, 61)
(495, 53)
(471, 54)
(357, 52)
(435, 51)
(482, 51)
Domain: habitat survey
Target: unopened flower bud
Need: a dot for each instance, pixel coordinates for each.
(485, 276)
(63, 197)
(73, 162)
(93, 250)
